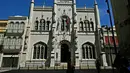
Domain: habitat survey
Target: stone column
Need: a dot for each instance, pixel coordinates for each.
(104, 59)
(1, 58)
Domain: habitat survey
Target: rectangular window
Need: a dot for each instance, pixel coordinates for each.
(42, 49)
(9, 28)
(38, 52)
(34, 53)
(5, 41)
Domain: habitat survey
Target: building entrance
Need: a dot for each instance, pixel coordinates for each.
(65, 53)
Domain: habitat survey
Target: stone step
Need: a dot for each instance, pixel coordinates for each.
(60, 71)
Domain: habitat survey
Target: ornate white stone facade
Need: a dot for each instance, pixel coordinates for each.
(55, 35)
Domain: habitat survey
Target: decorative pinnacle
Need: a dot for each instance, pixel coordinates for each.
(32, 1)
(95, 2)
(43, 4)
(85, 6)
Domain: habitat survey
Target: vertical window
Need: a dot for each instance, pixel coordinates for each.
(36, 24)
(88, 51)
(42, 24)
(10, 27)
(40, 51)
(16, 27)
(87, 25)
(48, 24)
(91, 25)
(81, 25)
(5, 41)
(34, 53)
(83, 52)
(8, 41)
(16, 41)
(22, 27)
(13, 41)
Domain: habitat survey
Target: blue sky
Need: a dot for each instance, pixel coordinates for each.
(21, 7)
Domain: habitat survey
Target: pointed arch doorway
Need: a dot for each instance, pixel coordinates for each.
(65, 52)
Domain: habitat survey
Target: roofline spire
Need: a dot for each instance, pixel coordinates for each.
(85, 6)
(95, 2)
(32, 1)
(44, 4)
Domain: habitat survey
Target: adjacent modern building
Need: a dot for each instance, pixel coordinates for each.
(107, 48)
(121, 12)
(52, 36)
(13, 43)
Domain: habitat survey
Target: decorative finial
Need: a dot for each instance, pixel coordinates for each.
(95, 2)
(85, 6)
(32, 1)
(44, 4)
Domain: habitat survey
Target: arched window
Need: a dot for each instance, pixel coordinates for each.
(10, 27)
(22, 25)
(5, 41)
(88, 51)
(13, 40)
(48, 24)
(42, 26)
(81, 28)
(6, 46)
(91, 25)
(16, 27)
(8, 41)
(36, 24)
(40, 51)
(87, 25)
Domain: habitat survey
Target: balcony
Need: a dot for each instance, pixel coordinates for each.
(11, 48)
(14, 31)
